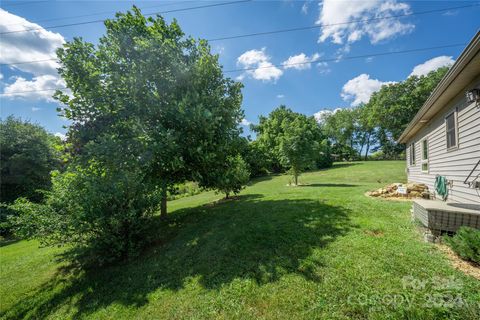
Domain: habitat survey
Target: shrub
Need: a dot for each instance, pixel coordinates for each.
(186, 189)
(5, 225)
(466, 243)
(377, 155)
(103, 215)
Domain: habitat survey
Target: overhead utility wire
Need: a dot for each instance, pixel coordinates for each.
(347, 57)
(343, 23)
(147, 14)
(260, 33)
(291, 64)
(20, 3)
(286, 30)
(100, 13)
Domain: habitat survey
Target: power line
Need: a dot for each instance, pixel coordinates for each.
(21, 3)
(27, 62)
(292, 29)
(291, 64)
(348, 57)
(148, 14)
(100, 13)
(28, 91)
(234, 2)
(343, 23)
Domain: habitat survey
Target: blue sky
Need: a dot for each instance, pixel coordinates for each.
(305, 87)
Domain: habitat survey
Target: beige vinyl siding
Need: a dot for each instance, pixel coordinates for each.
(455, 163)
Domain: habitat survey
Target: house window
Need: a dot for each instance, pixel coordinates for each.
(425, 155)
(451, 125)
(412, 154)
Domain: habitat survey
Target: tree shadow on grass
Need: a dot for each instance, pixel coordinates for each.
(249, 238)
(335, 185)
(263, 178)
(339, 165)
(7, 242)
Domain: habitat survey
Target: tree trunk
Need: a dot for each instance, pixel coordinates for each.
(295, 176)
(364, 137)
(226, 195)
(368, 147)
(163, 204)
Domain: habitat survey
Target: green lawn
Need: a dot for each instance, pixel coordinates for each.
(319, 251)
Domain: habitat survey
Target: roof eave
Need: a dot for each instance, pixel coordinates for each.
(468, 53)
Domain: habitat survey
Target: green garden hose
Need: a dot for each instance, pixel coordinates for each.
(441, 187)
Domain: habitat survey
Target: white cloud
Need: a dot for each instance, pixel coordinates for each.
(259, 63)
(245, 122)
(335, 14)
(28, 46)
(305, 7)
(60, 135)
(219, 49)
(359, 89)
(35, 109)
(322, 114)
(300, 61)
(323, 68)
(35, 89)
(1, 76)
(450, 13)
(280, 96)
(431, 65)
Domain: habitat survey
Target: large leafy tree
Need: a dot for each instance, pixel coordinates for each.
(342, 127)
(28, 155)
(392, 107)
(157, 98)
(379, 122)
(269, 132)
(149, 108)
(255, 156)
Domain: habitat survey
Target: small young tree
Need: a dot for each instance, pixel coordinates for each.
(294, 140)
(233, 177)
(298, 146)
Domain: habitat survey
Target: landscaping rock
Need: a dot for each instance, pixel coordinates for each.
(414, 190)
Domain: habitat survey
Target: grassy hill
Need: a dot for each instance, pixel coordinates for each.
(319, 251)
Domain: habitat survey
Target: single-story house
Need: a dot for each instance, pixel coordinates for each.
(443, 140)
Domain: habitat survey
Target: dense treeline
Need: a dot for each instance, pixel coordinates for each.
(376, 125)
(150, 110)
(27, 156)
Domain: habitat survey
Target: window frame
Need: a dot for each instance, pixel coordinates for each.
(455, 129)
(412, 160)
(424, 160)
